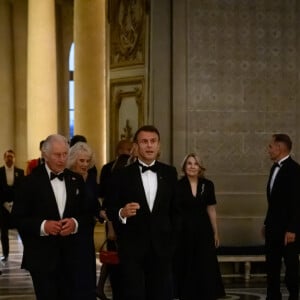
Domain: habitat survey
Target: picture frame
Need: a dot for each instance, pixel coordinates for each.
(126, 109)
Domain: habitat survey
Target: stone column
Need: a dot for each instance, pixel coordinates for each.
(90, 74)
(42, 77)
(6, 79)
(19, 21)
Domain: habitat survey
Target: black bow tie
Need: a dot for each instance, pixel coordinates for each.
(274, 166)
(60, 176)
(152, 168)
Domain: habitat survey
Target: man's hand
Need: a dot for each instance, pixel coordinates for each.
(129, 210)
(8, 206)
(52, 227)
(289, 237)
(68, 226)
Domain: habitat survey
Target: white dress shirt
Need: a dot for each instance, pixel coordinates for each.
(9, 172)
(276, 171)
(59, 189)
(149, 179)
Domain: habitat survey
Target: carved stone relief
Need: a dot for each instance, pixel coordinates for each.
(127, 32)
(242, 80)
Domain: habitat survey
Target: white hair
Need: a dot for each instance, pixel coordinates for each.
(77, 148)
(47, 145)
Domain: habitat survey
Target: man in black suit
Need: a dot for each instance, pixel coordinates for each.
(10, 177)
(52, 218)
(282, 222)
(142, 201)
(123, 147)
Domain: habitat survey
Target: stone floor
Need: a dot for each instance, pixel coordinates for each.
(15, 283)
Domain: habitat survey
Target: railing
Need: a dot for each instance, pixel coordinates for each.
(246, 255)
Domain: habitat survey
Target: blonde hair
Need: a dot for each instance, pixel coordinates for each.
(198, 160)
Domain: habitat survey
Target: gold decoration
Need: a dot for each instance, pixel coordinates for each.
(127, 32)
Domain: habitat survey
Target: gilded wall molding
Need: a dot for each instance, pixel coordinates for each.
(126, 109)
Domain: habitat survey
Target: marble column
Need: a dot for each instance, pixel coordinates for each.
(42, 75)
(6, 79)
(19, 21)
(90, 74)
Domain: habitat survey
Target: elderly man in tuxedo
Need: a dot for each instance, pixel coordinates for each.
(282, 222)
(142, 202)
(10, 178)
(52, 217)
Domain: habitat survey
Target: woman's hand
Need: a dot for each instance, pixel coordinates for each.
(217, 240)
(103, 215)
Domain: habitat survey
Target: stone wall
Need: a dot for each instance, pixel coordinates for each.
(236, 70)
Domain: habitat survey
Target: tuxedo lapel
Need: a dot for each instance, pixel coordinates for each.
(48, 192)
(284, 166)
(269, 181)
(75, 187)
(159, 187)
(157, 197)
(18, 175)
(137, 177)
(2, 175)
(68, 184)
(72, 190)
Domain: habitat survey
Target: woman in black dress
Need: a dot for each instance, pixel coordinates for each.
(198, 270)
(81, 160)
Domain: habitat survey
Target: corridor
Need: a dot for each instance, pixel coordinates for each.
(15, 283)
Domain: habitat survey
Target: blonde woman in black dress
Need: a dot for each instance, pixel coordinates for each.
(199, 275)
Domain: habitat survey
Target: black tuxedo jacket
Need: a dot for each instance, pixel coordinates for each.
(7, 193)
(283, 212)
(35, 202)
(147, 230)
(104, 178)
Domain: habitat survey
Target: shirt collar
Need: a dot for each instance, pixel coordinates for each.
(144, 164)
(49, 170)
(9, 169)
(283, 159)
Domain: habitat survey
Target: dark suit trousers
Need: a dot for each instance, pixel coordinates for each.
(62, 285)
(146, 278)
(4, 227)
(275, 251)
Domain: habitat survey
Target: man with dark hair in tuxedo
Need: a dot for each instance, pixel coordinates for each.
(10, 178)
(142, 204)
(282, 222)
(124, 147)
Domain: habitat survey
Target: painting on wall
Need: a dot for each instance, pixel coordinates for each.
(126, 109)
(127, 19)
